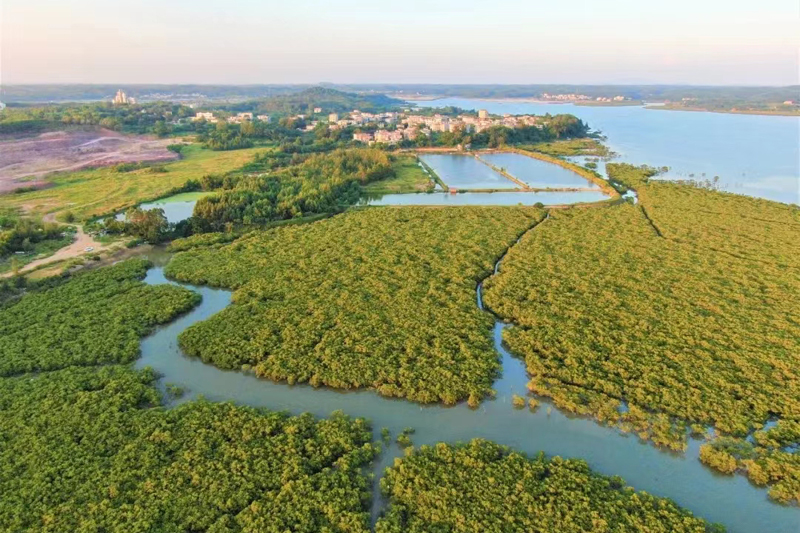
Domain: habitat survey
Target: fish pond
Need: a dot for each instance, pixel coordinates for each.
(752, 154)
(487, 198)
(537, 174)
(466, 172)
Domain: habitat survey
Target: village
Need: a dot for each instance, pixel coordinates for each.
(408, 126)
(572, 97)
(390, 127)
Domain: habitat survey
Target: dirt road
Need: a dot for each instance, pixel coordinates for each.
(77, 248)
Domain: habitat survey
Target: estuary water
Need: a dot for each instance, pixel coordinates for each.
(752, 154)
(730, 500)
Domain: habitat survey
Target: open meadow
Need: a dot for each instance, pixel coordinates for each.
(102, 191)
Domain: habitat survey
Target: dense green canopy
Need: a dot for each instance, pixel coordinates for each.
(85, 447)
(684, 306)
(81, 451)
(96, 318)
(381, 298)
(482, 486)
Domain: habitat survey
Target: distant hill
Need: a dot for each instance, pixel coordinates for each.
(149, 92)
(330, 100)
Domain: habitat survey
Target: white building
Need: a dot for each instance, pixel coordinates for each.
(207, 116)
(388, 137)
(362, 137)
(122, 99)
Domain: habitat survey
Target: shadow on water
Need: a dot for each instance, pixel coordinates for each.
(730, 500)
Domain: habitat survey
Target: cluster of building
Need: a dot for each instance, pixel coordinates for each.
(410, 126)
(233, 119)
(572, 97)
(123, 99)
(614, 99)
(359, 118)
(392, 127)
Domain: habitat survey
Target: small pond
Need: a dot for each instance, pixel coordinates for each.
(176, 208)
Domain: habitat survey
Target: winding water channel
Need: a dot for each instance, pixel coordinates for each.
(730, 500)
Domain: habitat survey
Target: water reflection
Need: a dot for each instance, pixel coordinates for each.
(176, 208)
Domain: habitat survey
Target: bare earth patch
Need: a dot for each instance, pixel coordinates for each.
(23, 162)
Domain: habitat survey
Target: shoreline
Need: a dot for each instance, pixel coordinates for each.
(756, 112)
(593, 103)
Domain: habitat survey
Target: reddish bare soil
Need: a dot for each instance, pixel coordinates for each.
(34, 157)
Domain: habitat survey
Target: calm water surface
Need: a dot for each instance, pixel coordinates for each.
(537, 174)
(466, 172)
(487, 198)
(730, 500)
(753, 155)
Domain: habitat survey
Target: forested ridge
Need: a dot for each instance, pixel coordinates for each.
(684, 328)
(381, 298)
(481, 486)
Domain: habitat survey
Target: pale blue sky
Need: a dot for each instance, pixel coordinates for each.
(412, 41)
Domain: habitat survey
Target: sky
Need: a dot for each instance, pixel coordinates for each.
(708, 42)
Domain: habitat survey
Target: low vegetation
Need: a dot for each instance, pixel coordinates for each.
(96, 318)
(85, 445)
(408, 176)
(482, 486)
(24, 239)
(381, 298)
(618, 307)
(766, 461)
(753, 229)
(571, 147)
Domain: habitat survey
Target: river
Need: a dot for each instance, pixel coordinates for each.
(752, 154)
(730, 500)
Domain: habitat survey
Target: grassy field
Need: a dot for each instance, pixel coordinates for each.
(409, 177)
(570, 147)
(96, 192)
